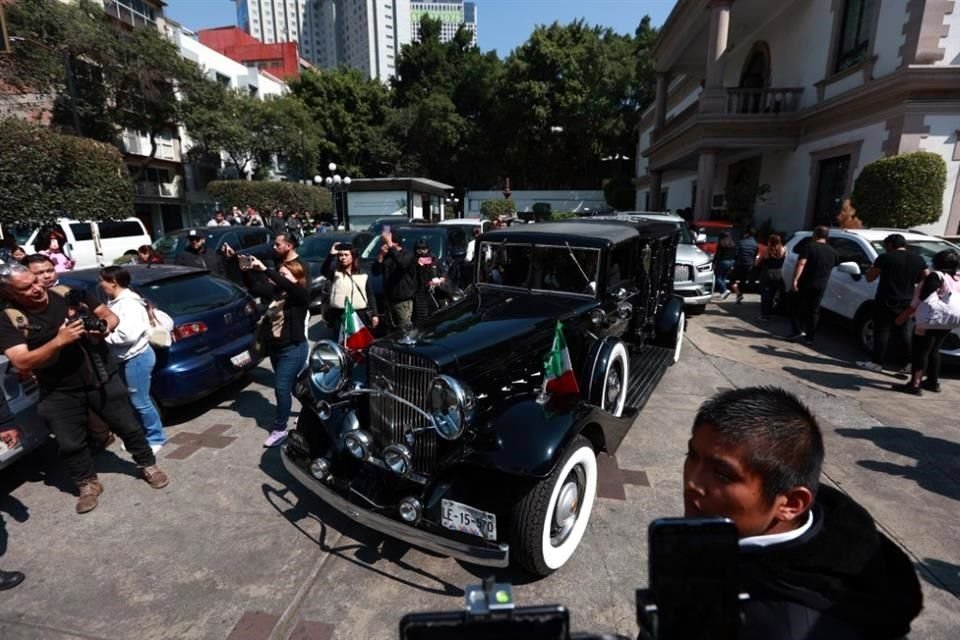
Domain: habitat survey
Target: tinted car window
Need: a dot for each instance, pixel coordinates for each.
(118, 229)
(926, 249)
(252, 239)
(507, 265)
(191, 294)
(409, 236)
(81, 231)
(318, 247)
(621, 266)
(850, 251)
(564, 269)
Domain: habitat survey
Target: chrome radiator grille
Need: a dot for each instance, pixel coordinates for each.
(407, 376)
(682, 273)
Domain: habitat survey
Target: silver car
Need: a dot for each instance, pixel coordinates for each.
(693, 272)
(21, 398)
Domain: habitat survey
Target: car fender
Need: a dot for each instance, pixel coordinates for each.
(596, 367)
(527, 438)
(669, 316)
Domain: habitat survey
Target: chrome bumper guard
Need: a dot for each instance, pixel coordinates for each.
(474, 554)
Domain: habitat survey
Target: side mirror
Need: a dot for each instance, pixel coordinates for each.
(851, 268)
(701, 238)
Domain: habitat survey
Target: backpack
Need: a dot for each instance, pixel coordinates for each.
(941, 309)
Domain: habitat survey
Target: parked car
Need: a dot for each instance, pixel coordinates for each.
(20, 397)
(255, 241)
(213, 335)
(707, 233)
(314, 251)
(444, 436)
(848, 293)
(693, 273)
(91, 244)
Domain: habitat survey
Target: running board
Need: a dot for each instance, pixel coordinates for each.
(647, 366)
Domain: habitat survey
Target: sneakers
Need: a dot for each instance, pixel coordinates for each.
(908, 388)
(739, 298)
(155, 477)
(275, 438)
(800, 337)
(869, 366)
(156, 448)
(931, 386)
(726, 294)
(90, 490)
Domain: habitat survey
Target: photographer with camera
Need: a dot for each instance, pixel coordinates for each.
(61, 340)
(348, 281)
(397, 265)
(810, 558)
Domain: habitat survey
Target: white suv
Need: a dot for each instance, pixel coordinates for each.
(848, 293)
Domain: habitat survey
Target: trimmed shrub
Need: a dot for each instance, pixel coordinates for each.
(902, 191)
(563, 215)
(45, 175)
(495, 208)
(267, 196)
(620, 193)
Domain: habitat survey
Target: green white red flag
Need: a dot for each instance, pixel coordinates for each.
(353, 333)
(558, 372)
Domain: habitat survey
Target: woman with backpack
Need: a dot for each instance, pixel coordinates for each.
(936, 307)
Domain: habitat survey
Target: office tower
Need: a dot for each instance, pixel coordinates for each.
(451, 14)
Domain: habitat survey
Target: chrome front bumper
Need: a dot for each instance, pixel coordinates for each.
(473, 554)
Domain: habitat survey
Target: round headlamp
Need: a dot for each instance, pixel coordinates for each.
(451, 406)
(398, 458)
(328, 366)
(358, 444)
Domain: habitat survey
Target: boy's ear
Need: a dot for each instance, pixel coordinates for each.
(794, 503)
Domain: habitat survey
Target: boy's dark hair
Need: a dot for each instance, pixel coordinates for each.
(779, 435)
(290, 239)
(821, 233)
(947, 261)
(35, 258)
(895, 240)
(116, 275)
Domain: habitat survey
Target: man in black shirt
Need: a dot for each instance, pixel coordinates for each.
(810, 278)
(899, 271)
(197, 255)
(40, 332)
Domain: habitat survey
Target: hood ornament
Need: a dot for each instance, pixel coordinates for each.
(409, 338)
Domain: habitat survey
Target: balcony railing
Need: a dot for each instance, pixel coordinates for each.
(138, 144)
(150, 189)
(763, 101)
(135, 13)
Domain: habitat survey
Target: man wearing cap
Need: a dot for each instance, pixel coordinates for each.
(196, 254)
(399, 279)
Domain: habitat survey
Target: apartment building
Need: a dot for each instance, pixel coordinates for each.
(797, 96)
(451, 15)
(361, 34)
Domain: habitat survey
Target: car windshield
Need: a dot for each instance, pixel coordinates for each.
(409, 237)
(191, 293)
(926, 249)
(174, 243)
(547, 268)
(318, 246)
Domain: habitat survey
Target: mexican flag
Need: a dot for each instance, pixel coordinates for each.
(560, 378)
(353, 334)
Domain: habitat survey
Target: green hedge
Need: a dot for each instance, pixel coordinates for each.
(267, 196)
(45, 175)
(902, 191)
(495, 208)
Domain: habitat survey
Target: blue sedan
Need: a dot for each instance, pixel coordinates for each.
(213, 336)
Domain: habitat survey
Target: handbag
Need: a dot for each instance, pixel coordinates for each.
(941, 309)
(161, 327)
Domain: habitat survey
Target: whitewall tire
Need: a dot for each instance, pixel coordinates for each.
(678, 346)
(615, 381)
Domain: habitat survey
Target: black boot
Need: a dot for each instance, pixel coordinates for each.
(10, 579)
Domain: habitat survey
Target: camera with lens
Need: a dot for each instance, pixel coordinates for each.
(75, 301)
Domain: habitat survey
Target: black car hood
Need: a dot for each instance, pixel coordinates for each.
(489, 327)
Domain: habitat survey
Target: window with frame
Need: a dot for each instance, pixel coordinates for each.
(850, 251)
(856, 27)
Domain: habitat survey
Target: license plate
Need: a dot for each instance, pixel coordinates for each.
(241, 359)
(460, 517)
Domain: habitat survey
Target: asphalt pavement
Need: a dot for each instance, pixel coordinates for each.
(234, 549)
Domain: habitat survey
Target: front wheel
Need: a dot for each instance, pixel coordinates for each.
(864, 328)
(550, 520)
(678, 341)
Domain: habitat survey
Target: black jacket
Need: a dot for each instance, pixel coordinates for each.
(295, 309)
(209, 260)
(399, 277)
(841, 580)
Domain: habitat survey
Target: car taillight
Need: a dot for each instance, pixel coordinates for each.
(250, 309)
(188, 330)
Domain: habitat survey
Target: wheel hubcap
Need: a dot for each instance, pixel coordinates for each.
(567, 508)
(614, 386)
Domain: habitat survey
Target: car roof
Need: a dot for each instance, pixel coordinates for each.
(646, 228)
(874, 235)
(474, 222)
(335, 235)
(601, 234)
(650, 215)
(140, 274)
(212, 231)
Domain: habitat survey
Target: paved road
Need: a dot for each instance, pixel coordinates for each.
(233, 549)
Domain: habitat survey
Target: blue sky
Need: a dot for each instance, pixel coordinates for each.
(504, 24)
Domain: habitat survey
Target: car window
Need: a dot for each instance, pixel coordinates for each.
(800, 246)
(926, 249)
(317, 247)
(81, 231)
(850, 251)
(457, 241)
(117, 229)
(251, 239)
(227, 238)
(191, 293)
(621, 266)
(506, 265)
(409, 237)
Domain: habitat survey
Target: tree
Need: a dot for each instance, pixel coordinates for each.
(496, 208)
(269, 195)
(45, 175)
(901, 191)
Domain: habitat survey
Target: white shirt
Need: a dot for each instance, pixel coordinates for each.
(130, 337)
(778, 538)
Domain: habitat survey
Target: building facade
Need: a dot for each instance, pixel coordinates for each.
(361, 34)
(280, 59)
(777, 109)
(451, 15)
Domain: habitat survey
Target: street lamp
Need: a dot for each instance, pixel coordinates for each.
(454, 203)
(338, 185)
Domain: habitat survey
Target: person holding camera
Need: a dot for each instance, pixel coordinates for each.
(60, 339)
(130, 344)
(431, 281)
(348, 281)
(285, 322)
(399, 278)
(810, 558)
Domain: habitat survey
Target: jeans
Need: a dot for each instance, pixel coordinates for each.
(926, 353)
(805, 315)
(720, 272)
(287, 363)
(136, 374)
(67, 411)
(768, 297)
(885, 328)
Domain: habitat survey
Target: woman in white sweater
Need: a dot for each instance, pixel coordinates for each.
(129, 342)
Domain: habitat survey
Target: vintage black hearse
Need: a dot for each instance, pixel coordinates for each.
(443, 436)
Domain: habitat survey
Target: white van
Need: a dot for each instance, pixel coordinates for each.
(94, 244)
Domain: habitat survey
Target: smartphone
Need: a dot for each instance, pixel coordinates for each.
(526, 623)
(246, 262)
(386, 228)
(693, 578)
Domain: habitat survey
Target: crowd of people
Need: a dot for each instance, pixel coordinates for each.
(297, 224)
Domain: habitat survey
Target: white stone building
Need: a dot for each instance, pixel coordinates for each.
(452, 14)
(361, 34)
(798, 95)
